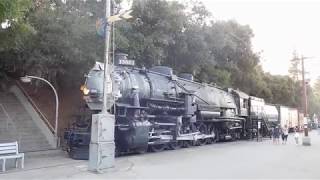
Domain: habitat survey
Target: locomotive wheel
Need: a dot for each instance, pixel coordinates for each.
(141, 150)
(216, 138)
(209, 140)
(157, 147)
(204, 130)
(175, 145)
(186, 144)
(117, 152)
(233, 137)
(210, 131)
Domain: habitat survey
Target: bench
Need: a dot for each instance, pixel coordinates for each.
(10, 151)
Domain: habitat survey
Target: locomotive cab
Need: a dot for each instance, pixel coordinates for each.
(242, 102)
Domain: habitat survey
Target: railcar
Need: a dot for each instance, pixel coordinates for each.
(288, 116)
(272, 114)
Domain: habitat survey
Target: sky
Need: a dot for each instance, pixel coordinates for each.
(280, 27)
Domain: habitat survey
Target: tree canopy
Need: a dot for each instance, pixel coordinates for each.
(58, 41)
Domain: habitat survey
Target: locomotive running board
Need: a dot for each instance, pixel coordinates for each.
(194, 137)
(182, 137)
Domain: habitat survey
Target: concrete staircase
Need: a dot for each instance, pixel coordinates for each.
(16, 124)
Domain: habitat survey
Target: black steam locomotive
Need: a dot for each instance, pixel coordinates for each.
(157, 110)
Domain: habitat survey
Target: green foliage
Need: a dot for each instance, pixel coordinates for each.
(59, 42)
(218, 52)
(284, 90)
(316, 87)
(149, 38)
(314, 98)
(212, 74)
(294, 69)
(13, 10)
(13, 14)
(63, 46)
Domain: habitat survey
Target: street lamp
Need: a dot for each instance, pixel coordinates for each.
(102, 146)
(27, 79)
(306, 140)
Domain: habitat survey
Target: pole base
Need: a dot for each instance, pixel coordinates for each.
(102, 146)
(306, 141)
(101, 156)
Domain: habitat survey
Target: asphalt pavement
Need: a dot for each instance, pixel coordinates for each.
(228, 160)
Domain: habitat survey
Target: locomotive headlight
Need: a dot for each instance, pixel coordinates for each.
(82, 87)
(85, 91)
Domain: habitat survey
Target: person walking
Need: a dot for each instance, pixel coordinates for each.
(296, 136)
(285, 133)
(276, 135)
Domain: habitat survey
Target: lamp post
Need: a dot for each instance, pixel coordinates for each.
(27, 79)
(102, 146)
(306, 139)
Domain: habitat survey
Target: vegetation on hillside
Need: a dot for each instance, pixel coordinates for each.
(59, 42)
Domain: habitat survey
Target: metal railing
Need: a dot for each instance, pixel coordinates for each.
(6, 114)
(42, 116)
(9, 119)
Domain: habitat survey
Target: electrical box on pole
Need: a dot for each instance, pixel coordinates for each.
(102, 147)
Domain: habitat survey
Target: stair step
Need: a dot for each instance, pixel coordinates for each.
(20, 126)
(33, 144)
(29, 148)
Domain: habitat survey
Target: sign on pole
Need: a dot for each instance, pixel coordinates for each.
(121, 16)
(101, 23)
(101, 27)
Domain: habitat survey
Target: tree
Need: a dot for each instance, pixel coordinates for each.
(148, 39)
(64, 44)
(316, 87)
(314, 98)
(14, 26)
(13, 10)
(60, 44)
(294, 69)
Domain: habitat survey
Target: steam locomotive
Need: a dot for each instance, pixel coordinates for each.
(156, 110)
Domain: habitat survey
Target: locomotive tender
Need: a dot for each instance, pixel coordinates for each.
(155, 109)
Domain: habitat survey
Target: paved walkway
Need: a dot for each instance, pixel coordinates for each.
(235, 160)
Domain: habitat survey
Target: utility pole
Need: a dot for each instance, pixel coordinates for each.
(306, 139)
(305, 100)
(106, 76)
(102, 146)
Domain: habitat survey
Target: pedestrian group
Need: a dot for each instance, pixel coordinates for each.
(284, 132)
